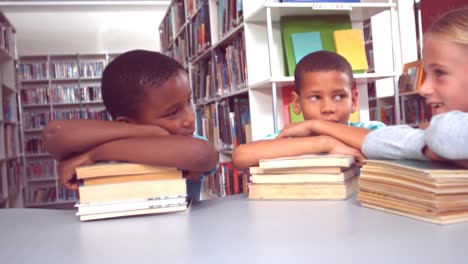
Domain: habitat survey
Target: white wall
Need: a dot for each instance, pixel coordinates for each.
(85, 29)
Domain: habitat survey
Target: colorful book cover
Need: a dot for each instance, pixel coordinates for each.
(305, 43)
(350, 44)
(326, 25)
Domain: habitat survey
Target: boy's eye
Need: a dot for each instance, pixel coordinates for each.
(340, 97)
(314, 97)
(172, 114)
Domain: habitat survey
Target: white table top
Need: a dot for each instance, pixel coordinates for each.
(232, 230)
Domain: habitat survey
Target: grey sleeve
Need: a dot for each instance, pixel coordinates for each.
(394, 142)
(447, 136)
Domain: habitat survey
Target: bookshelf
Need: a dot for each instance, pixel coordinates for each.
(11, 158)
(235, 53)
(55, 87)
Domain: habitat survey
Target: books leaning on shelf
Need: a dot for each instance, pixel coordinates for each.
(313, 176)
(428, 191)
(125, 189)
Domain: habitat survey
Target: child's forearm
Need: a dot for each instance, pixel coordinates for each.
(352, 136)
(250, 154)
(182, 152)
(62, 138)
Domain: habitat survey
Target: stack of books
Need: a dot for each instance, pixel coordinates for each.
(124, 189)
(313, 176)
(429, 191)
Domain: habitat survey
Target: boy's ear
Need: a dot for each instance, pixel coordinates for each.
(125, 119)
(354, 97)
(296, 102)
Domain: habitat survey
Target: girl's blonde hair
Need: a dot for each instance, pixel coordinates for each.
(452, 26)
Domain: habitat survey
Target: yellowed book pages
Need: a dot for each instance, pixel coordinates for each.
(134, 212)
(304, 178)
(349, 43)
(248, 133)
(409, 210)
(303, 191)
(132, 190)
(415, 184)
(306, 170)
(136, 177)
(427, 169)
(309, 160)
(115, 169)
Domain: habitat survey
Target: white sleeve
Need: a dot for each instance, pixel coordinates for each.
(447, 136)
(394, 142)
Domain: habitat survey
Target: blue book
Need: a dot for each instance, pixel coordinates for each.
(305, 43)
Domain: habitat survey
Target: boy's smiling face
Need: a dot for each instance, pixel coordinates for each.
(169, 106)
(325, 95)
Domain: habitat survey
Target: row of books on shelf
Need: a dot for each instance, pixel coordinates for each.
(384, 114)
(61, 94)
(39, 169)
(14, 174)
(60, 70)
(230, 15)
(6, 32)
(9, 109)
(11, 141)
(178, 51)
(43, 194)
(199, 32)
(226, 124)
(416, 110)
(226, 181)
(38, 120)
(229, 68)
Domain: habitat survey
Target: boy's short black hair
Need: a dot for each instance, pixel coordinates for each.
(321, 61)
(126, 78)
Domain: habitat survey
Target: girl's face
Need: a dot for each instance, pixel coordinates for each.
(446, 84)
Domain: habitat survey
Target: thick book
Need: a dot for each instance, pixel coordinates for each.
(115, 169)
(132, 190)
(133, 177)
(309, 160)
(431, 191)
(317, 191)
(306, 170)
(169, 209)
(109, 207)
(304, 177)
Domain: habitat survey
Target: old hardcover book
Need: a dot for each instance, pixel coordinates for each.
(317, 191)
(309, 160)
(115, 169)
(304, 177)
(132, 190)
(133, 177)
(160, 210)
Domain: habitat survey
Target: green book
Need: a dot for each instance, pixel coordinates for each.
(326, 25)
(293, 116)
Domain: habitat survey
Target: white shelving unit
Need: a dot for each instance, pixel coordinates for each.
(264, 56)
(55, 87)
(11, 174)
